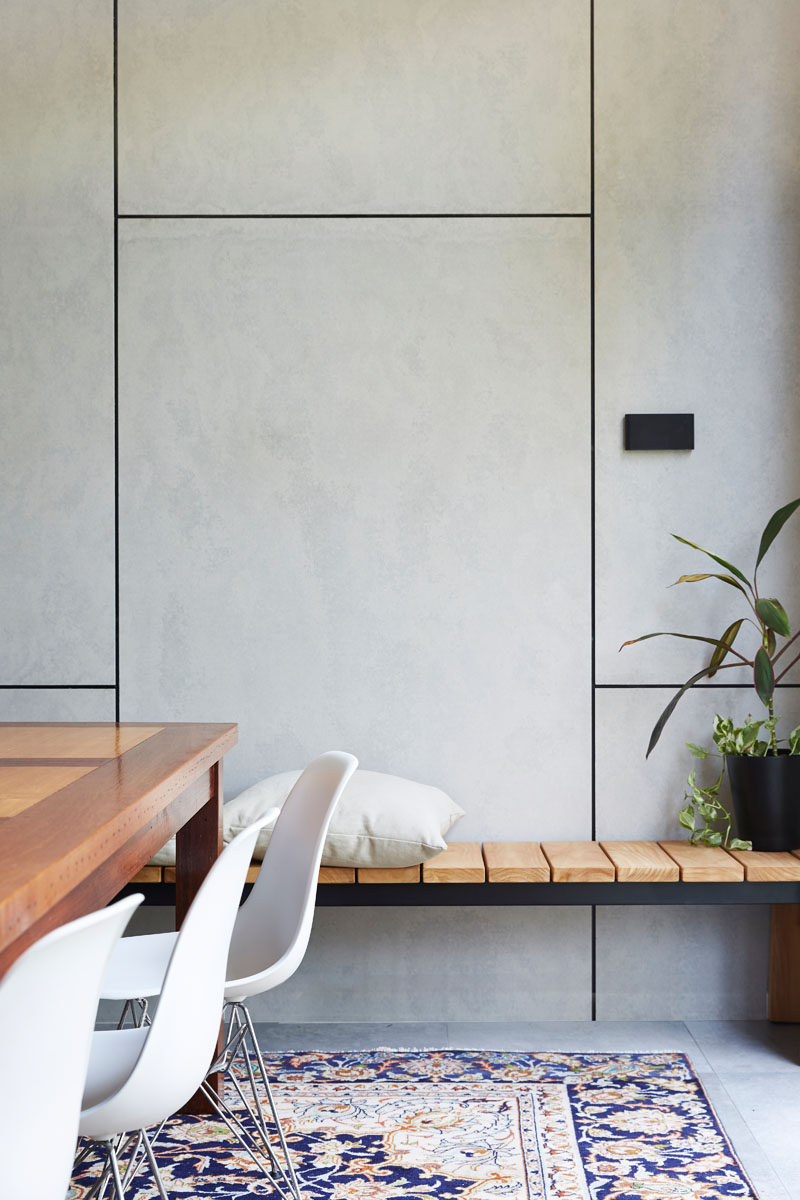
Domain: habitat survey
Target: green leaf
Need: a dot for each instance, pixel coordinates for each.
(696, 751)
(748, 735)
(773, 614)
(714, 839)
(774, 525)
(794, 741)
(738, 844)
(696, 579)
(771, 642)
(763, 675)
(728, 566)
(689, 637)
(686, 818)
(668, 711)
(708, 811)
(723, 646)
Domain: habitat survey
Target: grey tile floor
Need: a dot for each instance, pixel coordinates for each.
(749, 1069)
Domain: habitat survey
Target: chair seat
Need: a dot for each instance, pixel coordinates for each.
(113, 1056)
(137, 966)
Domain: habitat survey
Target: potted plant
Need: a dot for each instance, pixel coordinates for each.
(764, 775)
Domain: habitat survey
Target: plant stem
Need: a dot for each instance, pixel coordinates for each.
(786, 646)
(791, 664)
(773, 741)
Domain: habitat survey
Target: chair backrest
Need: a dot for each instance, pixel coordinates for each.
(180, 1043)
(48, 1004)
(273, 925)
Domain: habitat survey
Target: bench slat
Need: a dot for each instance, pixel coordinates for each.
(148, 875)
(641, 862)
(515, 862)
(326, 874)
(578, 862)
(388, 874)
(704, 864)
(461, 862)
(337, 875)
(563, 862)
(761, 866)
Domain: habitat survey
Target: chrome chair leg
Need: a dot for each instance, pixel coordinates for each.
(136, 1008)
(151, 1158)
(137, 1146)
(246, 1034)
(114, 1168)
(276, 1176)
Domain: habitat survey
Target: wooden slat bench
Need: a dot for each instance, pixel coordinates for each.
(576, 873)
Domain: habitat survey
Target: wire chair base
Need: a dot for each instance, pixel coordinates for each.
(250, 1126)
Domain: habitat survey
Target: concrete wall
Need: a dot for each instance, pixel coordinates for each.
(372, 491)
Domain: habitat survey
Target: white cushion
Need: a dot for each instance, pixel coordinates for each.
(165, 857)
(381, 820)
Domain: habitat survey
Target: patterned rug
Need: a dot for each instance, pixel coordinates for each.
(452, 1124)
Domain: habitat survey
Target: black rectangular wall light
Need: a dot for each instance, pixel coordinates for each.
(659, 431)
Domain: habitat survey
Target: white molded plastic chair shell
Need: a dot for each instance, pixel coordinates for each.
(48, 1004)
(169, 1059)
(274, 924)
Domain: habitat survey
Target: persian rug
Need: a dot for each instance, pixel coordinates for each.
(453, 1124)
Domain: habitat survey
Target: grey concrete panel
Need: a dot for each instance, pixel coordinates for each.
(63, 704)
(698, 305)
(744, 1136)
(352, 1035)
(434, 965)
(769, 1104)
(749, 1046)
(641, 798)
(56, 329)
(338, 519)
(692, 962)
(349, 106)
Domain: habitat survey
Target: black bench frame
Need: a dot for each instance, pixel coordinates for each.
(449, 895)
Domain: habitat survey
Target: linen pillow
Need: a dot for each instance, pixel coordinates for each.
(165, 857)
(381, 820)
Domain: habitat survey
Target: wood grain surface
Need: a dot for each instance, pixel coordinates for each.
(75, 848)
(515, 862)
(641, 862)
(762, 866)
(23, 784)
(389, 874)
(86, 740)
(578, 862)
(704, 864)
(461, 862)
(783, 988)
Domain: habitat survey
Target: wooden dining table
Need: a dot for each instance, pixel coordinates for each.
(84, 806)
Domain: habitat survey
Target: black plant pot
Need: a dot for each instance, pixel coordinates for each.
(766, 799)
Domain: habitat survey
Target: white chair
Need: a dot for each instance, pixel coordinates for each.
(48, 1004)
(269, 939)
(138, 1077)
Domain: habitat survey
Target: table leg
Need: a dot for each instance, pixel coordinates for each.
(198, 844)
(784, 963)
